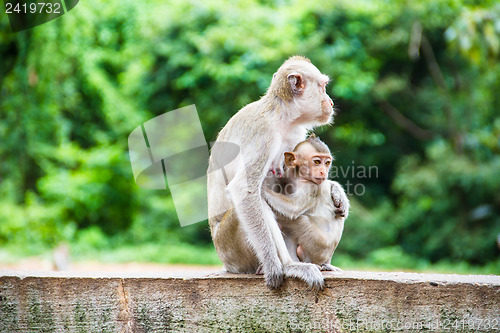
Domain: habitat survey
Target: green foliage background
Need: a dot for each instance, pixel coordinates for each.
(417, 84)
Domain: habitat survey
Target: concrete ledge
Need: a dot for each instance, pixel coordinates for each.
(221, 302)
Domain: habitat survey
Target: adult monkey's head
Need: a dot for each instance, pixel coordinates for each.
(302, 88)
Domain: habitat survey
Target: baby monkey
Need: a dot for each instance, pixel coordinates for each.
(311, 209)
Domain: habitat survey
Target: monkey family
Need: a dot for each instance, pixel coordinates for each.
(283, 233)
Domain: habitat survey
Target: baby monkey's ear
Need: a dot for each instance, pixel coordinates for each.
(290, 159)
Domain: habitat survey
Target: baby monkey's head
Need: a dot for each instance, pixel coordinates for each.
(310, 160)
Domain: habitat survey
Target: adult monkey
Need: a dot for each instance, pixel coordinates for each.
(243, 226)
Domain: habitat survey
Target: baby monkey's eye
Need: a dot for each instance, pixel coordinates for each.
(328, 162)
(317, 162)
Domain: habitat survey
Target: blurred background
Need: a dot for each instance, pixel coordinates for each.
(417, 84)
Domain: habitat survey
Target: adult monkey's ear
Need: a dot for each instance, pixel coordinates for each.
(290, 160)
(296, 83)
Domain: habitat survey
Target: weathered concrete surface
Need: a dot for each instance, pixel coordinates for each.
(351, 301)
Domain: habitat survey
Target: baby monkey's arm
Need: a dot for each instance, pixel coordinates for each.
(290, 206)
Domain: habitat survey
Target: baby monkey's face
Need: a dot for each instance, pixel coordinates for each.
(309, 164)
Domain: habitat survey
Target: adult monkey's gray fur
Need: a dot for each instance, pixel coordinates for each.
(243, 226)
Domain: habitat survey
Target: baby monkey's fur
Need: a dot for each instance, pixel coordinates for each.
(311, 209)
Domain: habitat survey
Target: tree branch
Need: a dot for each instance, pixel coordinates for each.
(404, 122)
(439, 80)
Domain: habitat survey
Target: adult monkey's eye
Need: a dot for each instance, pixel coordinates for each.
(328, 162)
(317, 162)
